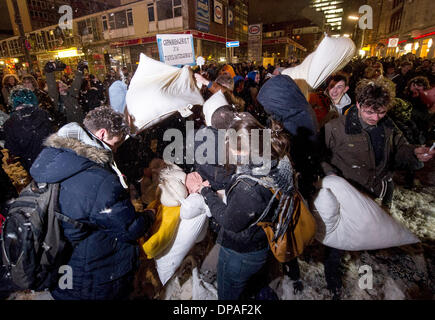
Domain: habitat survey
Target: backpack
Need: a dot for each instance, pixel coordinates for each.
(33, 246)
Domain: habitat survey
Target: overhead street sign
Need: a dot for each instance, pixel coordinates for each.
(233, 44)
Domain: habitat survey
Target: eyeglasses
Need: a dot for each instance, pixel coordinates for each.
(370, 113)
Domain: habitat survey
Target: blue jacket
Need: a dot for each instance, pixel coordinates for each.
(282, 98)
(104, 257)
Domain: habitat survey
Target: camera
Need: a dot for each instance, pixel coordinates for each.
(60, 66)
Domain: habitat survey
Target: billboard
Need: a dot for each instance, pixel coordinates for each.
(202, 11)
(218, 11)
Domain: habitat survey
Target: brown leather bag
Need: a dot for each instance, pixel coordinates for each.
(299, 234)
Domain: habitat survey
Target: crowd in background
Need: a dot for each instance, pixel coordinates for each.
(37, 105)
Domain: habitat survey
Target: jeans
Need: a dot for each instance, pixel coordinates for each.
(332, 264)
(235, 269)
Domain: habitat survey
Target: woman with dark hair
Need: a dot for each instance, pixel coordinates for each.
(45, 101)
(9, 82)
(244, 246)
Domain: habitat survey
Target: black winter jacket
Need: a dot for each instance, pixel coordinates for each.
(246, 201)
(25, 131)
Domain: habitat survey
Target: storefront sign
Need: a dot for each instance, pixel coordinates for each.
(393, 42)
(176, 49)
(202, 11)
(218, 12)
(230, 18)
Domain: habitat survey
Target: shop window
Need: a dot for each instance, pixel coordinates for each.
(151, 17)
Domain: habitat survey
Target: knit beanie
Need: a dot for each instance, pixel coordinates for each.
(21, 96)
(229, 69)
(251, 75)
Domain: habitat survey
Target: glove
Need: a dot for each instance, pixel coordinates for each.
(82, 66)
(50, 67)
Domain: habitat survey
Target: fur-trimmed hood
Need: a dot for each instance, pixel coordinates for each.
(70, 150)
(100, 156)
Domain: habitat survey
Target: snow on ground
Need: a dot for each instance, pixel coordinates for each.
(406, 272)
(398, 273)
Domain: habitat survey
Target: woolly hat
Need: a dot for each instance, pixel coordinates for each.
(237, 79)
(212, 104)
(20, 96)
(252, 75)
(229, 69)
(171, 183)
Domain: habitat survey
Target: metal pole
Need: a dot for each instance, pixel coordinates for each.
(226, 35)
(19, 23)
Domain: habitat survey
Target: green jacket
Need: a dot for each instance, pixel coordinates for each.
(349, 153)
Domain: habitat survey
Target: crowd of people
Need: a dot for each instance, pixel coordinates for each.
(368, 120)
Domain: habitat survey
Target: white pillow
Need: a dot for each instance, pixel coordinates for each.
(158, 90)
(192, 227)
(350, 220)
(331, 55)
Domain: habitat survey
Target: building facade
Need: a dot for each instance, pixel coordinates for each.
(333, 12)
(281, 41)
(116, 37)
(401, 27)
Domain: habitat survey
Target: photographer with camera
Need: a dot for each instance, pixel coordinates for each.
(64, 96)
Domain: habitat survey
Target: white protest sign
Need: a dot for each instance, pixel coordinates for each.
(176, 49)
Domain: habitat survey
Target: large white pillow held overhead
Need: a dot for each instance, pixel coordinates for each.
(158, 90)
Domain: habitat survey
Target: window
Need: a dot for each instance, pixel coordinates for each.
(118, 20)
(129, 17)
(112, 21)
(395, 21)
(164, 9)
(105, 26)
(177, 8)
(82, 28)
(151, 17)
(168, 9)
